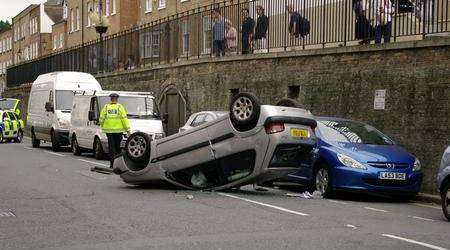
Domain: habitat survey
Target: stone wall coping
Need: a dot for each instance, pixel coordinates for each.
(427, 42)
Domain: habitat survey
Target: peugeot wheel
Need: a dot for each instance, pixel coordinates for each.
(288, 102)
(76, 150)
(99, 154)
(137, 147)
(245, 109)
(35, 143)
(19, 137)
(323, 181)
(55, 143)
(445, 195)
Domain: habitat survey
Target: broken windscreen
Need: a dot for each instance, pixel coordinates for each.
(7, 104)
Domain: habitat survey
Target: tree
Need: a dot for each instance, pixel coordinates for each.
(4, 25)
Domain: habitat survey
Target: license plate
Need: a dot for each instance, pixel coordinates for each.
(392, 176)
(303, 133)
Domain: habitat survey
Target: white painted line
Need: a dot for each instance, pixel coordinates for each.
(338, 202)
(415, 242)
(376, 209)
(264, 204)
(28, 148)
(95, 163)
(7, 214)
(350, 226)
(53, 153)
(425, 205)
(420, 218)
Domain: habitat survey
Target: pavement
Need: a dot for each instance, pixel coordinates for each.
(53, 201)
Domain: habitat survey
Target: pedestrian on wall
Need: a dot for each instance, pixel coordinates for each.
(299, 26)
(247, 29)
(262, 24)
(383, 28)
(230, 37)
(363, 29)
(114, 123)
(218, 33)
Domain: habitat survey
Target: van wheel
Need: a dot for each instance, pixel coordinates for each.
(19, 137)
(35, 143)
(76, 150)
(445, 195)
(244, 111)
(55, 143)
(288, 102)
(99, 154)
(137, 147)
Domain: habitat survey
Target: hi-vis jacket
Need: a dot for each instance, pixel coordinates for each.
(113, 119)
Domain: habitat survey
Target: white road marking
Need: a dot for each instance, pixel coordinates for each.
(7, 214)
(95, 163)
(264, 204)
(350, 226)
(420, 218)
(415, 242)
(338, 202)
(376, 209)
(91, 175)
(425, 205)
(53, 153)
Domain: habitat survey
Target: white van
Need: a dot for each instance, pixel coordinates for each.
(86, 134)
(50, 106)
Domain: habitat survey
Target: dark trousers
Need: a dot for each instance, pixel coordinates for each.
(114, 141)
(383, 31)
(246, 48)
(219, 47)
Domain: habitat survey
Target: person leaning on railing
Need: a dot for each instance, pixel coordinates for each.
(230, 37)
(248, 27)
(383, 28)
(262, 24)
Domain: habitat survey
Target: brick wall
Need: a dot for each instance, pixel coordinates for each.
(331, 82)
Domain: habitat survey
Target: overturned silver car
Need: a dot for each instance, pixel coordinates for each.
(253, 143)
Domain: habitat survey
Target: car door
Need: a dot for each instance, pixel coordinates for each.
(7, 124)
(14, 123)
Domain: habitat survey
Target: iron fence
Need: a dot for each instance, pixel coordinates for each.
(256, 26)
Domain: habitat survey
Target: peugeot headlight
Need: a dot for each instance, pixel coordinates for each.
(417, 165)
(350, 162)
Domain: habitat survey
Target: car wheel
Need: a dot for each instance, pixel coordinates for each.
(19, 137)
(323, 181)
(55, 144)
(445, 195)
(288, 102)
(76, 150)
(137, 147)
(99, 154)
(244, 111)
(1, 136)
(35, 143)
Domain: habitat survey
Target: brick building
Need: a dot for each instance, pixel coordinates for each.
(32, 33)
(6, 58)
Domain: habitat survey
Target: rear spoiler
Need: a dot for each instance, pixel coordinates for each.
(292, 120)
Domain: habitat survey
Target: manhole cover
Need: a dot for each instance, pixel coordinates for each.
(6, 214)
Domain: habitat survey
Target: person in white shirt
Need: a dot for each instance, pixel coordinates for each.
(383, 28)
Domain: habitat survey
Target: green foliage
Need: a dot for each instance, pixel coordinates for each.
(4, 25)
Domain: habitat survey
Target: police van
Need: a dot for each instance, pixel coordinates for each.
(85, 132)
(50, 105)
(11, 126)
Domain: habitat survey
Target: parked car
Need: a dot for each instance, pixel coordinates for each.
(11, 126)
(10, 104)
(50, 105)
(200, 118)
(443, 181)
(355, 156)
(252, 143)
(85, 133)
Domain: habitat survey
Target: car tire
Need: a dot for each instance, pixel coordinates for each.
(137, 148)
(76, 150)
(288, 102)
(245, 109)
(19, 137)
(445, 195)
(35, 143)
(55, 144)
(322, 181)
(1, 136)
(99, 153)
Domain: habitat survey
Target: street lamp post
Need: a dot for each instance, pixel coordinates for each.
(101, 27)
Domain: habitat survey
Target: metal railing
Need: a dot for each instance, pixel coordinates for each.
(241, 27)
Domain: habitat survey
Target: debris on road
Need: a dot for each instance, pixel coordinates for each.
(306, 195)
(102, 170)
(189, 197)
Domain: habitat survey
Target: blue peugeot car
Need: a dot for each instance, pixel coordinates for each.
(353, 156)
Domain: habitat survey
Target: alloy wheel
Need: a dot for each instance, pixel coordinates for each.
(447, 200)
(322, 180)
(137, 146)
(242, 108)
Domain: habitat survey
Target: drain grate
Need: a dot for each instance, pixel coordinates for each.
(7, 214)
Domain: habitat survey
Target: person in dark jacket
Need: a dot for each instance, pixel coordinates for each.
(262, 24)
(363, 29)
(248, 26)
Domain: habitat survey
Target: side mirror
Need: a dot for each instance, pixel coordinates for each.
(165, 118)
(92, 116)
(49, 107)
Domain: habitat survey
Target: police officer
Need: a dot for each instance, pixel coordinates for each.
(114, 122)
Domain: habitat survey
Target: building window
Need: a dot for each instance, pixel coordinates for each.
(114, 7)
(185, 36)
(207, 34)
(148, 5)
(107, 7)
(61, 40)
(55, 42)
(65, 10)
(149, 44)
(89, 7)
(72, 21)
(162, 4)
(78, 19)
(1, 46)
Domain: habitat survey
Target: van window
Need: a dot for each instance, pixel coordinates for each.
(137, 107)
(7, 104)
(64, 99)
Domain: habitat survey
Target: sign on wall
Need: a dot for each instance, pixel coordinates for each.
(379, 102)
